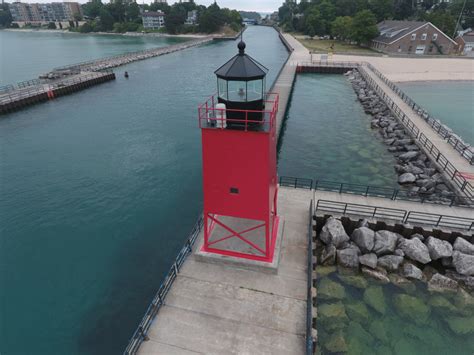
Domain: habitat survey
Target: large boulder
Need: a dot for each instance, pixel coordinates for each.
(369, 260)
(442, 305)
(333, 232)
(409, 156)
(410, 271)
(407, 178)
(464, 263)
(364, 238)
(348, 258)
(441, 283)
(390, 262)
(412, 308)
(385, 242)
(377, 274)
(415, 250)
(378, 330)
(336, 342)
(439, 248)
(462, 245)
(328, 255)
(375, 298)
(328, 289)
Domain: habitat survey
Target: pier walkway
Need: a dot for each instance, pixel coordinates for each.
(284, 84)
(217, 308)
(223, 309)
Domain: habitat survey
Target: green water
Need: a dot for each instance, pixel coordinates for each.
(25, 55)
(327, 135)
(99, 191)
(361, 316)
(450, 102)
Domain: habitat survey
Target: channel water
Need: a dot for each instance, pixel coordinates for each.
(327, 135)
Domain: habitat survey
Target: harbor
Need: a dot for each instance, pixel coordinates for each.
(140, 164)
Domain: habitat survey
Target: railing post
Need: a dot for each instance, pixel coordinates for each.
(439, 220)
(395, 194)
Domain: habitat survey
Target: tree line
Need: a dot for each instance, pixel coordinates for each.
(356, 20)
(120, 16)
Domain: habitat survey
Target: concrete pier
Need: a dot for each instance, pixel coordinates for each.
(18, 98)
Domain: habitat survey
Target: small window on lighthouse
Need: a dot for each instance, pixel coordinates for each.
(234, 190)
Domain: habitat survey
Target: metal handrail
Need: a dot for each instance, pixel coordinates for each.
(419, 137)
(465, 150)
(367, 190)
(402, 216)
(140, 333)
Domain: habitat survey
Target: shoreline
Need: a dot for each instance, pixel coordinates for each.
(126, 34)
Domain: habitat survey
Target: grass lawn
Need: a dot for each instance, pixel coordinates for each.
(323, 45)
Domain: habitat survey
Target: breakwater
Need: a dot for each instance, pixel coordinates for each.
(378, 283)
(127, 58)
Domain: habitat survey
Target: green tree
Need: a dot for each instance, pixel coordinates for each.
(364, 27)
(106, 20)
(443, 20)
(92, 8)
(341, 27)
(383, 9)
(5, 16)
(51, 26)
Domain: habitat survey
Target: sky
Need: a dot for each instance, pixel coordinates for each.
(249, 5)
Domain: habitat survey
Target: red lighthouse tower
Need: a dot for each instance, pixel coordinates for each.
(239, 162)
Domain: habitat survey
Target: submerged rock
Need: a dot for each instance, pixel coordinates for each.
(442, 305)
(412, 308)
(378, 330)
(325, 270)
(390, 262)
(385, 242)
(358, 312)
(462, 245)
(333, 232)
(464, 263)
(336, 343)
(364, 238)
(439, 248)
(369, 260)
(415, 250)
(332, 316)
(461, 325)
(357, 281)
(377, 274)
(374, 297)
(328, 289)
(441, 283)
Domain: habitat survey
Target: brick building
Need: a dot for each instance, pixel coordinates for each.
(412, 37)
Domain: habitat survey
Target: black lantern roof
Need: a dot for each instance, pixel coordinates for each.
(242, 67)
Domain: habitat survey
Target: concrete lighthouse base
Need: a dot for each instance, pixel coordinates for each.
(260, 266)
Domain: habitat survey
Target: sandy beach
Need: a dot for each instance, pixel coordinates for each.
(418, 69)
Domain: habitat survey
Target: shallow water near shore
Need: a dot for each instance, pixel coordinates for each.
(361, 316)
(327, 136)
(450, 102)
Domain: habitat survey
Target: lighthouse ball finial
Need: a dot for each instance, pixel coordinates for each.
(241, 47)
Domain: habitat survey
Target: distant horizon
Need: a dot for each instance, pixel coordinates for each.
(262, 6)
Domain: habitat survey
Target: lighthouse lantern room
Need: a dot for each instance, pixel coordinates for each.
(238, 128)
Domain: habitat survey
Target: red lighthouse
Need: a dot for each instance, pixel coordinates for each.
(238, 128)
